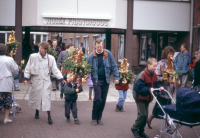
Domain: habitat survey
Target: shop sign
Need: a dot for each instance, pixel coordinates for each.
(76, 22)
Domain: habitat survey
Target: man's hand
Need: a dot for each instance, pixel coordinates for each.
(116, 81)
(61, 95)
(25, 82)
(161, 88)
(152, 89)
(64, 82)
(77, 90)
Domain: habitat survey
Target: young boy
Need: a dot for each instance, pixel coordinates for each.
(71, 91)
(143, 87)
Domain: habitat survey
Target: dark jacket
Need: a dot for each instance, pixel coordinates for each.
(143, 85)
(61, 56)
(70, 91)
(197, 73)
(109, 65)
(182, 62)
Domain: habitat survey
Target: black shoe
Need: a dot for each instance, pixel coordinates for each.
(50, 121)
(94, 122)
(37, 115)
(76, 121)
(54, 90)
(135, 133)
(117, 108)
(68, 120)
(99, 122)
(148, 124)
(122, 109)
(142, 134)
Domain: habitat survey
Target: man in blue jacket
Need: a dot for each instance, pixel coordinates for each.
(103, 64)
(182, 62)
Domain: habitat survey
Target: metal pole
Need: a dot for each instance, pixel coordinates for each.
(191, 25)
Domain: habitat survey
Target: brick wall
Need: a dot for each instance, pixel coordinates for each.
(196, 21)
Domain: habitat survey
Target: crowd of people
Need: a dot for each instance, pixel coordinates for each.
(41, 66)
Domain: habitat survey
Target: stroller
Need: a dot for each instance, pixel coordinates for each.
(185, 112)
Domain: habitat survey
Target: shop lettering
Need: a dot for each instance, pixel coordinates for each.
(76, 22)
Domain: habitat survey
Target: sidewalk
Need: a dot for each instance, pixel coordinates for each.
(116, 124)
(83, 96)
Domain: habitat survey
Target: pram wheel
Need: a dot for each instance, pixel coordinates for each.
(18, 108)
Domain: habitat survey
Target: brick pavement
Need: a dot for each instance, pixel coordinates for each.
(116, 124)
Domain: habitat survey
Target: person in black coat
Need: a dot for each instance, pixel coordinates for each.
(197, 71)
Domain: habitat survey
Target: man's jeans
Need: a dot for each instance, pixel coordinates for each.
(16, 84)
(122, 98)
(100, 95)
(183, 80)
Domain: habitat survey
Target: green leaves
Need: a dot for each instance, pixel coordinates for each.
(13, 46)
(53, 53)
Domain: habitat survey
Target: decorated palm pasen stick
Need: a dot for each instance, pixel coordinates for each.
(77, 66)
(169, 72)
(124, 73)
(12, 45)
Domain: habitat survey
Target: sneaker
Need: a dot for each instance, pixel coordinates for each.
(117, 108)
(68, 120)
(7, 121)
(121, 109)
(135, 133)
(17, 90)
(99, 122)
(94, 122)
(142, 134)
(90, 98)
(76, 121)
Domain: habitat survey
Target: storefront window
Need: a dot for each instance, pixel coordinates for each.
(121, 48)
(145, 48)
(65, 41)
(86, 45)
(78, 41)
(71, 40)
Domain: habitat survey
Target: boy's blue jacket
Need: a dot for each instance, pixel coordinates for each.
(109, 65)
(182, 62)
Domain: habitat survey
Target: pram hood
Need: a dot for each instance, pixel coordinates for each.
(187, 102)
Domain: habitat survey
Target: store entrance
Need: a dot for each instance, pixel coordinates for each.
(166, 39)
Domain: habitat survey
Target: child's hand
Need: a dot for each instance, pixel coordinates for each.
(152, 89)
(77, 90)
(161, 88)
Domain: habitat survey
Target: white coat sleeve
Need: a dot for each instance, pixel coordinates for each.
(27, 72)
(14, 68)
(56, 72)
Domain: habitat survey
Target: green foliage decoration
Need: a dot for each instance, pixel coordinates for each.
(53, 53)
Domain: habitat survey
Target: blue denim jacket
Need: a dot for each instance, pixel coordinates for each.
(109, 65)
(182, 62)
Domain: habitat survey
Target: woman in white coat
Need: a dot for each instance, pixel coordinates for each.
(7, 70)
(39, 68)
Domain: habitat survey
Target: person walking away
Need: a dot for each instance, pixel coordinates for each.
(143, 88)
(39, 68)
(181, 64)
(103, 64)
(83, 48)
(8, 69)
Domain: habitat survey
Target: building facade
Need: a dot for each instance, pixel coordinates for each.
(154, 24)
